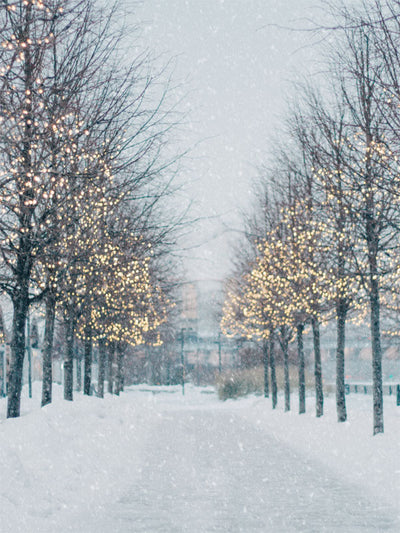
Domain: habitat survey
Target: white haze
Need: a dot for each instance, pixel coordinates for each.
(235, 61)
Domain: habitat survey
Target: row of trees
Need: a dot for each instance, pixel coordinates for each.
(83, 171)
(324, 242)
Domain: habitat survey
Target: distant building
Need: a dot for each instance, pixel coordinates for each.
(203, 344)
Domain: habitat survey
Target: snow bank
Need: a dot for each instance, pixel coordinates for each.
(68, 458)
(349, 449)
(74, 460)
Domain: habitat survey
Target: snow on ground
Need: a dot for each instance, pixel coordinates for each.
(349, 449)
(155, 461)
(68, 458)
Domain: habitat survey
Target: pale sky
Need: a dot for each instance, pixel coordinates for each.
(235, 66)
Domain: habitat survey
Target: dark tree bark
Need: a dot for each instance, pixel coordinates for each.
(69, 355)
(371, 234)
(374, 213)
(343, 303)
(376, 353)
(120, 369)
(110, 367)
(274, 385)
(102, 368)
(78, 359)
(47, 382)
(302, 380)
(20, 296)
(87, 376)
(266, 368)
(285, 350)
(21, 305)
(319, 391)
(341, 312)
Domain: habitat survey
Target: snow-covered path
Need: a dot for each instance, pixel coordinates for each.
(153, 461)
(208, 469)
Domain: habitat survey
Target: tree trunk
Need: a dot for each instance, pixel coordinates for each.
(373, 246)
(21, 305)
(101, 374)
(110, 366)
(69, 356)
(87, 372)
(47, 382)
(319, 391)
(341, 312)
(24, 260)
(266, 368)
(302, 380)
(120, 370)
(285, 348)
(376, 356)
(78, 358)
(273, 371)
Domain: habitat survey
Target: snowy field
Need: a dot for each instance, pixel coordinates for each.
(159, 462)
